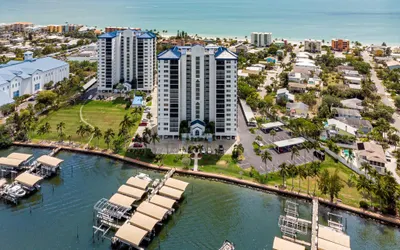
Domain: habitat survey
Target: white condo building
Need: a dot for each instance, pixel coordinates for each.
(312, 45)
(197, 84)
(18, 78)
(128, 56)
(261, 39)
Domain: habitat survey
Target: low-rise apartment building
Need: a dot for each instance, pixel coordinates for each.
(313, 46)
(340, 44)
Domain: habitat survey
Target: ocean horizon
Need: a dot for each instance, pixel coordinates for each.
(367, 21)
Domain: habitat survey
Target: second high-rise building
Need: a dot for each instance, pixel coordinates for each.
(127, 56)
(197, 89)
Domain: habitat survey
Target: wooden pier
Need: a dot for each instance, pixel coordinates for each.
(314, 225)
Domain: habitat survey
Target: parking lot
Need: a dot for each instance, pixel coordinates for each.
(251, 159)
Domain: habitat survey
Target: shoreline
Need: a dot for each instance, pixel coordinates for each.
(395, 221)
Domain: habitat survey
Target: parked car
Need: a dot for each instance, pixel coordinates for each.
(259, 143)
(209, 151)
(137, 145)
(203, 150)
(221, 148)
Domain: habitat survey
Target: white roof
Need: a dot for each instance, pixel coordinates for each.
(282, 91)
(342, 126)
(252, 68)
(271, 125)
(289, 142)
(354, 86)
(334, 236)
(281, 244)
(248, 113)
(353, 78)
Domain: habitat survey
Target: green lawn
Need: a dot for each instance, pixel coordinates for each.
(102, 114)
(349, 194)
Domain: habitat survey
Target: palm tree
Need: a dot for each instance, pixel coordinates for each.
(293, 172)
(259, 138)
(364, 185)
(81, 131)
(366, 167)
(272, 133)
(283, 172)
(315, 168)
(60, 127)
(88, 129)
(265, 157)
(154, 138)
(295, 152)
(302, 173)
(108, 135)
(97, 134)
(147, 132)
(137, 111)
(126, 123)
(149, 116)
(44, 129)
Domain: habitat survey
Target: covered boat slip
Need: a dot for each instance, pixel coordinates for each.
(49, 161)
(329, 245)
(122, 200)
(138, 183)
(28, 180)
(282, 244)
(177, 184)
(10, 163)
(131, 235)
(333, 236)
(171, 192)
(162, 201)
(152, 210)
(143, 221)
(20, 156)
(131, 192)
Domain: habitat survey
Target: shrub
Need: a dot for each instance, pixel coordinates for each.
(363, 204)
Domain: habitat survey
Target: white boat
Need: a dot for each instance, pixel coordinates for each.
(156, 182)
(16, 190)
(144, 176)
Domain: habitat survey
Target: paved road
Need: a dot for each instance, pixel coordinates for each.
(387, 101)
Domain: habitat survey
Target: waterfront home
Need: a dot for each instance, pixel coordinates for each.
(336, 127)
(363, 126)
(297, 87)
(297, 109)
(373, 154)
(285, 94)
(393, 64)
(353, 103)
(347, 113)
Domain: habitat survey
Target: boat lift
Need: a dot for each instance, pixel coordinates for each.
(290, 224)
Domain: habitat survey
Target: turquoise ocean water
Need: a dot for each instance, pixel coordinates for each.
(370, 21)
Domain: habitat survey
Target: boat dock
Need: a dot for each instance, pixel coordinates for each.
(331, 237)
(33, 172)
(136, 215)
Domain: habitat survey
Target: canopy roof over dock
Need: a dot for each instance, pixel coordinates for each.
(152, 210)
(271, 125)
(19, 156)
(49, 161)
(8, 162)
(162, 201)
(137, 183)
(143, 221)
(122, 200)
(177, 184)
(329, 245)
(131, 235)
(131, 191)
(171, 192)
(289, 142)
(334, 236)
(281, 244)
(28, 179)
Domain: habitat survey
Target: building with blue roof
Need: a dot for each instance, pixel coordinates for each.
(197, 84)
(127, 56)
(29, 76)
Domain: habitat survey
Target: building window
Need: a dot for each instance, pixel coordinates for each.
(37, 86)
(197, 110)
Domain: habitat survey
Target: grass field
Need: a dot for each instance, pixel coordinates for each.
(349, 194)
(102, 114)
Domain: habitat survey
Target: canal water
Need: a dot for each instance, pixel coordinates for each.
(60, 215)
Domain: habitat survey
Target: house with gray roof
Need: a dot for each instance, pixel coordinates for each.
(346, 113)
(297, 109)
(18, 78)
(363, 126)
(353, 103)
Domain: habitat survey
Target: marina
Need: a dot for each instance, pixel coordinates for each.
(210, 210)
(32, 172)
(141, 216)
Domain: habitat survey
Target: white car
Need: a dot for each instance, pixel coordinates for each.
(260, 144)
